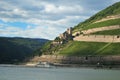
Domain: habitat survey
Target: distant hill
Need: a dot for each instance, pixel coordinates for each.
(17, 49)
(105, 18)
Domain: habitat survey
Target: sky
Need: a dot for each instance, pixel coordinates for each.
(45, 18)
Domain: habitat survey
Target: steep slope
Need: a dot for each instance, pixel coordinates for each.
(111, 11)
(105, 18)
(76, 48)
(17, 49)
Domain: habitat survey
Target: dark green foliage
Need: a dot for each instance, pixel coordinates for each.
(37, 52)
(28, 42)
(46, 48)
(57, 39)
(11, 52)
(18, 49)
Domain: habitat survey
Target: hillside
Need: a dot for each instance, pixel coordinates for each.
(17, 49)
(106, 27)
(109, 32)
(90, 48)
(28, 42)
(109, 11)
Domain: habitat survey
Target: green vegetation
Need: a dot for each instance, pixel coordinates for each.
(28, 42)
(102, 24)
(46, 47)
(13, 50)
(76, 48)
(109, 32)
(49, 48)
(111, 10)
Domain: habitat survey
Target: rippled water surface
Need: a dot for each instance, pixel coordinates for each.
(22, 73)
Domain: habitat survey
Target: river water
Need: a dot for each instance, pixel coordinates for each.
(23, 73)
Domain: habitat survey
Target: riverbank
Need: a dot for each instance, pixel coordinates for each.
(64, 66)
(108, 61)
(47, 61)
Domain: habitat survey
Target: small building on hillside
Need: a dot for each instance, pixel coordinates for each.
(67, 35)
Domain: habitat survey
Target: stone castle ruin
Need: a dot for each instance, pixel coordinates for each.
(88, 37)
(64, 37)
(67, 34)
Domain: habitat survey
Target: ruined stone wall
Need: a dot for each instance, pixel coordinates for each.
(69, 31)
(101, 29)
(89, 31)
(66, 34)
(97, 38)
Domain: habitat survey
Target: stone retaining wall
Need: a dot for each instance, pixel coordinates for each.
(89, 31)
(79, 60)
(97, 38)
(109, 18)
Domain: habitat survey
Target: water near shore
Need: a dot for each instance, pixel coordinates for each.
(25, 73)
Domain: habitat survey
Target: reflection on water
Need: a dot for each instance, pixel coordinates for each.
(22, 73)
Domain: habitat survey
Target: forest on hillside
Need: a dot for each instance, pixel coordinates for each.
(14, 50)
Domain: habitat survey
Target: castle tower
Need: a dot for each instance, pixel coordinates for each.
(61, 36)
(69, 30)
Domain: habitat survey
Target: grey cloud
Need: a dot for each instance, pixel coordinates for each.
(55, 14)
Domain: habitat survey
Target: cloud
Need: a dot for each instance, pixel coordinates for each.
(54, 9)
(49, 17)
